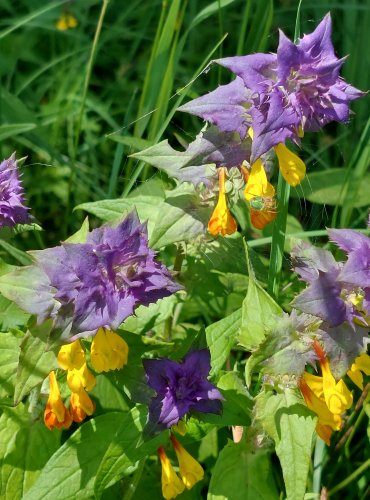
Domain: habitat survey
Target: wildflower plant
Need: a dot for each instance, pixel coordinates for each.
(179, 343)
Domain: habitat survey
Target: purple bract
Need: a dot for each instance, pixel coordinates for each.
(181, 387)
(12, 210)
(101, 282)
(337, 291)
(296, 90)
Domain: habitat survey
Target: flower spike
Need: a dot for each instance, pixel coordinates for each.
(221, 221)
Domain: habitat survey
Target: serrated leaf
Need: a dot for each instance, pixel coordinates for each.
(126, 449)
(27, 287)
(180, 218)
(242, 473)
(259, 313)
(109, 210)
(291, 425)
(9, 356)
(70, 472)
(80, 236)
(11, 315)
(221, 338)
(25, 447)
(35, 360)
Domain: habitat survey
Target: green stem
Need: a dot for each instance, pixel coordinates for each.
(135, 481)
(350, 478)
(278, 237)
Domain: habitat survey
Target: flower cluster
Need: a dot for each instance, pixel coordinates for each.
(337, 291)
(99, 283)
(108, 352)
(181, 387)
(12, 209)
(329, 398)
(274, 98)
(190, 471)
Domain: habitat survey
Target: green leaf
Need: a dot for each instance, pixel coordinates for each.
(242, 473)
(22, 257)
(11, 315)
(126, 449)
(9, 356)
(80, 236)
(70, 472)
(291, 425)
(35, 360)
(236, 395)
(25, 447)
(326, 188)
(109, 210)
(221, 338)
(180, 218)
(259, 313)
(15, 129)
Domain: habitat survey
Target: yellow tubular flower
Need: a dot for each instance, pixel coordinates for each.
(171, 483)
(291, 166)
(108, 351)
(65, 22)
(361, 364)
(221, 221)
(71, 356)
(190, 470)
(258, 185)
(336, 394)
(56, 414)
(81, 405)
(80, 379)
(327, 421)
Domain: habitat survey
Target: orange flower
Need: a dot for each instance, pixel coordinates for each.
(81, 405)
(56, 414)
(221, 221)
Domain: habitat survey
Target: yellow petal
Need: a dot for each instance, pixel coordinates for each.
(190, 469)
(337, 395)
(71, 356)
(258, 184)
(171, 483)
(56, 414)
(221, 221)
(108, 351)
(362, 363)
(291, 166)
(81, 379)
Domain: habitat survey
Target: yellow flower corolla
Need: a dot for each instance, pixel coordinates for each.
(56, 414)
(221, 221)
(336, 394)
(260, 195)
(258, 185)
(171, 483)
(71, 356)
(108, 351)
(81, 405)
(291, 166)
(190, 470)
(312, 390)
(79, 379)
(361, 364)
(65, 22)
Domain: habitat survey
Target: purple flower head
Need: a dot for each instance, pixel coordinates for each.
(297, 89)
(337, 291)
(12, 210)
(101, 282)
(181, 387)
